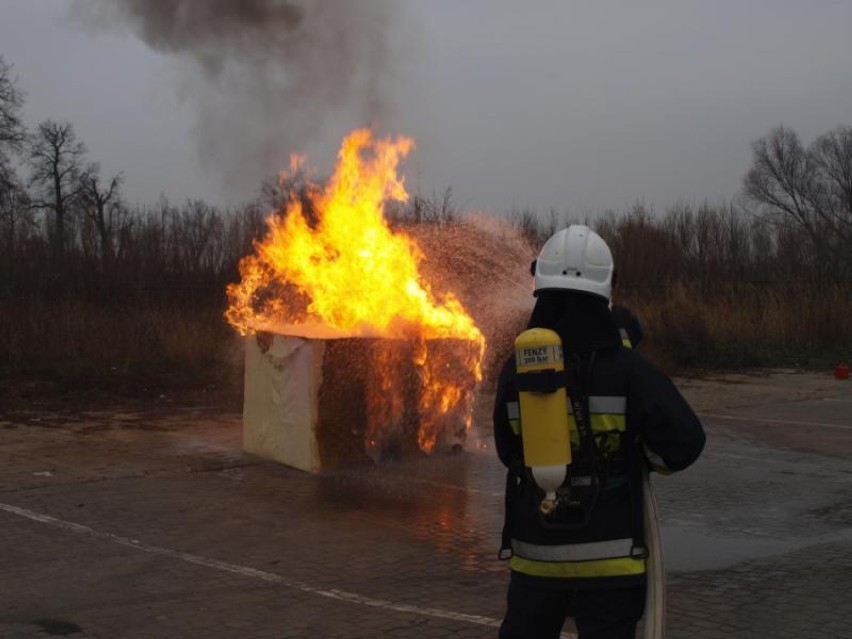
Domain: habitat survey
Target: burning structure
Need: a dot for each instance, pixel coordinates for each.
(351, 355)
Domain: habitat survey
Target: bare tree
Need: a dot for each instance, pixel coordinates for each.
(12, 133)
(102, 205)
(12, 136)
(527, 222)
(811, 187)
(553, 223)
(831, 153)
(646, 255)
(16, 220)
(199, 227)
(446, 212)
(56, 159)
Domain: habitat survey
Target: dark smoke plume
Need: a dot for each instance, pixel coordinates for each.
(266, 75)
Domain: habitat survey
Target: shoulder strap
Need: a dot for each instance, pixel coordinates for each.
(579, 385)
(513, 491)
(635, 470)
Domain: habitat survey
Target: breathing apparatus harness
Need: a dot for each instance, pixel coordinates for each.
(588, 473)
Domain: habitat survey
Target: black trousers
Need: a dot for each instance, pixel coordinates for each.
(536, 612)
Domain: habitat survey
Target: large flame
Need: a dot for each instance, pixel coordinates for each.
(339, 270)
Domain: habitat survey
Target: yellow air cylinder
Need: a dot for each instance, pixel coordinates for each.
(544, 413)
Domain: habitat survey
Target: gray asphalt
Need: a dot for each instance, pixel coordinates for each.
(122, 531)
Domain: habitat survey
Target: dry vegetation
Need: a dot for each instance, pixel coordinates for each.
(716, 287)
(93, 291)
(712, 287)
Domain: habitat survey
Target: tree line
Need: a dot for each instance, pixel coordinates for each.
(71, 247)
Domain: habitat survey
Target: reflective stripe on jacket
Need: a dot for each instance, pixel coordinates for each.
(610, 558)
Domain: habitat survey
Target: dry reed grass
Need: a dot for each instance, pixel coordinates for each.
(712, 288)
(87, 345)
(747, 325)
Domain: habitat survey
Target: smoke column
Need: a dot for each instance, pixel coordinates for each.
(266, 76)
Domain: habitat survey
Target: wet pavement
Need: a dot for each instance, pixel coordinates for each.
(152, 523)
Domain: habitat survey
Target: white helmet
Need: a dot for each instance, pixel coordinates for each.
(575, 259)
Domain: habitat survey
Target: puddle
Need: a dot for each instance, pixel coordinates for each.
(688, 549)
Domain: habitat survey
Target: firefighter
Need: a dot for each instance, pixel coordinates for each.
(584, 554)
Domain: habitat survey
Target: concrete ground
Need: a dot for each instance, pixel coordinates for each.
(144, 519)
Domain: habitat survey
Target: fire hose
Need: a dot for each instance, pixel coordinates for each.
(655, 601)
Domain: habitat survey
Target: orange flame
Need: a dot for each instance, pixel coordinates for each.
(339, 270)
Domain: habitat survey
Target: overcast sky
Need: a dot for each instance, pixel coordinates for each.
(579, 106)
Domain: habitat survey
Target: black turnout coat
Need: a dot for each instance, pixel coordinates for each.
(644, 423)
